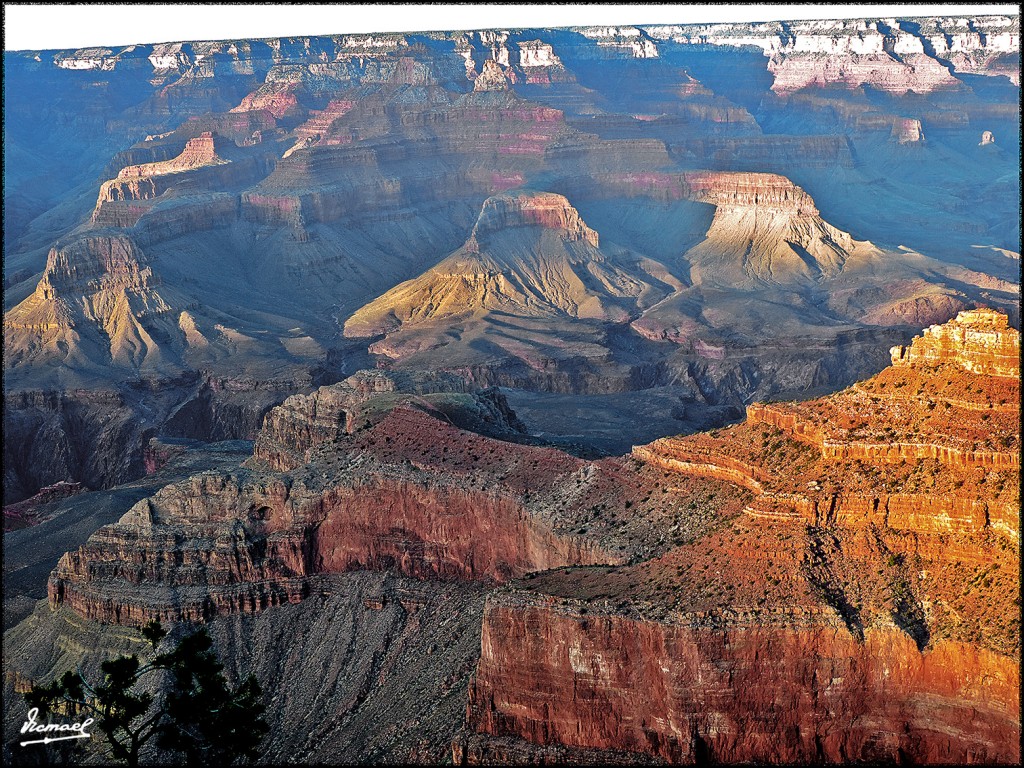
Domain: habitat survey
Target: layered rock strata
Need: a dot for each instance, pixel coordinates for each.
(980, 341)
(886, 515)
(920, 55)
(690, 689)
(97, 289)
(208, 163)
(304, 422)
(624, 586)
(406, 490)
(530, 255)
(825, 624)
(964, 44)
(923, 446)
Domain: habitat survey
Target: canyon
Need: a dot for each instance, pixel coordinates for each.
(628, 608)
(673, 657)
(231, 212)
(601, 395)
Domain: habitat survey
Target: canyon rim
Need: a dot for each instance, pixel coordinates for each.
(601, 394)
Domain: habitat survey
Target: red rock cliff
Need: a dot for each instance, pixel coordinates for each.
(223, 543)
(863, 608)
(788, 691)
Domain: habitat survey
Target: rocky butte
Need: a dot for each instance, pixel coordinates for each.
(830, 580)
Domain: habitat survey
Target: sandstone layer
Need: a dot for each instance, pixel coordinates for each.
(379, 478)
(687, 693)
(829, 622)
(890, 448)
(269, 189)
(643, 231)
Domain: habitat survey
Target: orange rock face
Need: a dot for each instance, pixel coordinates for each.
(771, 690)
(978, 341)
(247, 542)
(198, 151)
(809, 586)
(230, 566)
(924, 446)
(864, 607)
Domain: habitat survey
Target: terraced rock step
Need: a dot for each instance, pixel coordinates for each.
(863, 456)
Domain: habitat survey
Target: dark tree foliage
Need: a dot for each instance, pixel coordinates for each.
(196, 714)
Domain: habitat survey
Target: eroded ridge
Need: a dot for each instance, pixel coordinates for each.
(380, 472)
(862, 602)
(929, 444)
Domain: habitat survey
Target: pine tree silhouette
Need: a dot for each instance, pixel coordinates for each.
(197, 714)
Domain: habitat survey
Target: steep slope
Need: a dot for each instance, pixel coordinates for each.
(392, 656)
(276, 187)
(208, 163)
(940, 425)
(100, 303)
(102, 314)
(769, 257)
(189, 225)
(530, 257)
(862, 607)
(859, 552)
(302, 423)
(919, 55)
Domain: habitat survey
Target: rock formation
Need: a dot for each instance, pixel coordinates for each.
(281, 185)
(870, 588)
(202, 165)
(920, 55)
(934, 432)
(615, 682)
(530, 260)
(907, 131)
(857, 556)
(96, 291)
(491, 79)
(405, 489)
(25, 513)
(637, 231)
(304, 422)
(978, 341)
(530, 255)
(766, 229)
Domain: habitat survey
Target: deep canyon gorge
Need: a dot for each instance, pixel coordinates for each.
(589, 395)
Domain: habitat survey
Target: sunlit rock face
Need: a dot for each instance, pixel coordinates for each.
(849, 524)
(979, 341)
(626, 393)
(402, 490)
(920, 55)
(845, 556)
(529, 254)
(279, 190)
